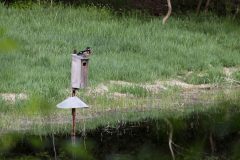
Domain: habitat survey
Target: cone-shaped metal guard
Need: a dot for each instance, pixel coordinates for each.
(72, 102)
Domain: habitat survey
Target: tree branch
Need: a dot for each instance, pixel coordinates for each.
(170, 142)
(169, 12)
(54, 148)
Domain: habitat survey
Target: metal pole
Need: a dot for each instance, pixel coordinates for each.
(73, 115)
(73, 137)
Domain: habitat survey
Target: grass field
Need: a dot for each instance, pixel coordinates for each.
(126, 48)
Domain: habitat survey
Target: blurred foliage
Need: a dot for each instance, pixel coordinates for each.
(235, 153)
(6, 44)
(38, 106)
(7, 142)
(195, 151)
(36, 143)
(79, 149)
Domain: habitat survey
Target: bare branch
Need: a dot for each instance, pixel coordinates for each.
(54, 148)
(168, 13)
(170, 142)
(213, 148)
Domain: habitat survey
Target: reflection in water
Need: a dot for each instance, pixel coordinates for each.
(210, 135)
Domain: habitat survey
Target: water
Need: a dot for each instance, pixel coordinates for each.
(208, 136)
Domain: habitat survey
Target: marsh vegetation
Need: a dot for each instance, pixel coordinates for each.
(145, 78)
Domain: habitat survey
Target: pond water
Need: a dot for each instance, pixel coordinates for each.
(212, 135)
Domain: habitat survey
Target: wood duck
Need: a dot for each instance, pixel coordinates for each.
(85, 53)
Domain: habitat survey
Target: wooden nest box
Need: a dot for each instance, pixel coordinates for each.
(79, 71)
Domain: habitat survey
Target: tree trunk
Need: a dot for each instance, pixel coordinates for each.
(199, 7)
(207, 5)
(169, 12)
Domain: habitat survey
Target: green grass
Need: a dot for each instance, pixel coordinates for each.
(237, 76)
(60, 121)
(134, 90)
(212, 75)
(125, 48)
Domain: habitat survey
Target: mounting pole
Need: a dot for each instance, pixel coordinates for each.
(79, 76)
(73, 115)
(79, 72)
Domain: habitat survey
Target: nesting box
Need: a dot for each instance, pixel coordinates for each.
(79, 71)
